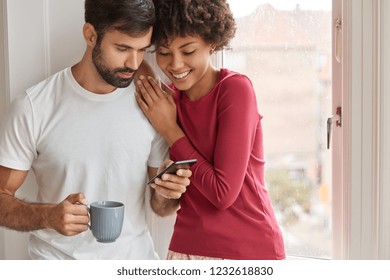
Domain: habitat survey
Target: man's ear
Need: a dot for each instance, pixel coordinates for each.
(90, 34)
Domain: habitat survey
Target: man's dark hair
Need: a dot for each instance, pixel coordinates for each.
(133, 17)
(212, 20)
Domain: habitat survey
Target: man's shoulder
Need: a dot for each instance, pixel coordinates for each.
(54, 80)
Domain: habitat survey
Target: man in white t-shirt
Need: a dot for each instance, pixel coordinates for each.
(82, 134)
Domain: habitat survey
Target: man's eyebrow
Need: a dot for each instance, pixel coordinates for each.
(130, 47)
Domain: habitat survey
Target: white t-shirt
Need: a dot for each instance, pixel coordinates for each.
(78, 141)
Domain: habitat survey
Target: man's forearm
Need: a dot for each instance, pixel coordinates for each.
(163, 206)
(22, 216)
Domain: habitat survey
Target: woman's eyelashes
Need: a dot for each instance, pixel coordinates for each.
(186, 53)
(163, 53)
(189, 52)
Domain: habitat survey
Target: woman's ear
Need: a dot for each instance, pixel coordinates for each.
(90, 34)
(212, 49)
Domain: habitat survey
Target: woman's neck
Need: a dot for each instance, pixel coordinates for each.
(205, 85)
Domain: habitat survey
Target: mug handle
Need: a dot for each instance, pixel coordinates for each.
(89, 212)
(89, 215)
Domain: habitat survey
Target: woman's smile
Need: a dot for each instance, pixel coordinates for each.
(181, 75)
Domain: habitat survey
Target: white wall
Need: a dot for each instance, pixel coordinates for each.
(384, 103)
(368, 51)
(2, 98)
(2, 62)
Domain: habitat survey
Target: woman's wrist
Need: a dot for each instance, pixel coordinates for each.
(172, 135)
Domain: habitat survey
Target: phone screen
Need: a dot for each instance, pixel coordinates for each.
(173, 167)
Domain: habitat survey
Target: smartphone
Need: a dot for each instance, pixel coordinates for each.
(173, 167)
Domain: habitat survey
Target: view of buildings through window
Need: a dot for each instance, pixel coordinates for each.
(284, 47)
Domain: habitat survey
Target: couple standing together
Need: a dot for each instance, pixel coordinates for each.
(90, 133)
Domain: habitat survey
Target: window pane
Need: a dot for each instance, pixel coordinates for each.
(285, 49)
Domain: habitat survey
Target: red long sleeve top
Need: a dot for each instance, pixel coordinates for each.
(226, 211)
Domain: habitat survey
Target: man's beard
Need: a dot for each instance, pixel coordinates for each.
(109, 75)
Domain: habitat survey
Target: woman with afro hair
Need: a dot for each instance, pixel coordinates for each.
(210, 114)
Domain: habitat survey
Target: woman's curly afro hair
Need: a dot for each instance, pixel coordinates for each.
(211, 20)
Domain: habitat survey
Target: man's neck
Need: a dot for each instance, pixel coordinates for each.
(88, 77)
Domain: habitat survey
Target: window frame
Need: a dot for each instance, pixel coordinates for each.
(360, 148)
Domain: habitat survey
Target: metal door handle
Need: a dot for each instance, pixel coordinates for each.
(337, 118)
